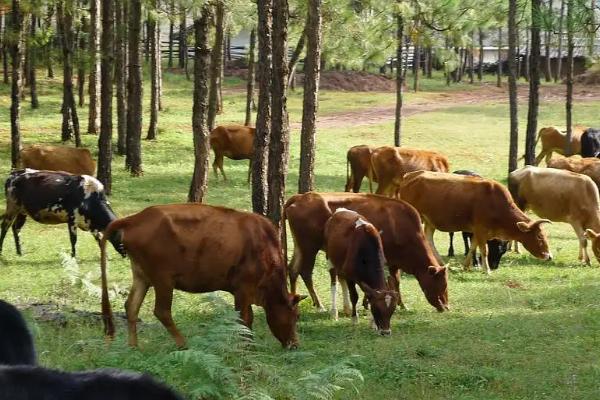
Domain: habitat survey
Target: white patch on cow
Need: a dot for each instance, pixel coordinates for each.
(342, 209)
(360, 222)
(30, 171)
(334, 310)
(345, 296)
(91, 185)
(73, 229)
(388, 300)
(374, 325)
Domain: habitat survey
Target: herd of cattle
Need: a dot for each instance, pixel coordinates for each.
(208, 248)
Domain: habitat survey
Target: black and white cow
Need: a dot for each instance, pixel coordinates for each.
(590, 143)
(16, 343)
(51, 197)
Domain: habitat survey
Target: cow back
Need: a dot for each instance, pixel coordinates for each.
(77, 161)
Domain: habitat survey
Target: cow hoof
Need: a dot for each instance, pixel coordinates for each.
(321, 309)
(334, 314)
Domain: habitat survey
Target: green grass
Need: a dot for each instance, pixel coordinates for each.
(528, 331)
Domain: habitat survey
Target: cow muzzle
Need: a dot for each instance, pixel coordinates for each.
(385, 332)
(547, 256)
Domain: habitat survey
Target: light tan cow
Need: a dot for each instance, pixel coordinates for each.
(589, 166)
(232, 141)
(358, 162)
(75, 160)
(554, 140)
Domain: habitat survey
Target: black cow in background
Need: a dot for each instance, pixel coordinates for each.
(590, 143)
(16, 343)
(496, 248)
(51, 197)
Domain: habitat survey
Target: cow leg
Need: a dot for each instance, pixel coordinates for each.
(467, 236)
(302, 264)
(346, 297)
(548, 157)
(16, 228)
(244, 307)
(394, 284)
(353, 300)
(538, 159)
(162, 311)
(583, 253)
(7, 221)
(482, 244)
(356, 182)
(72, 233)
(429, 230)
(470, 254)
(137, 294)
(451, 247)
(334, 310)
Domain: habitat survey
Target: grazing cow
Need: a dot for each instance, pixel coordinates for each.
(16, 343)
(403, 240)
(496, 248)
(390, 164)
(554, 140)
(589, 166)
(451, 202)
(32, 382)
(203, 249)
(232, 141)
(590, 143)
(355, 252)
(560, 196)
(56, 198)
(75, 160)
(358, 162)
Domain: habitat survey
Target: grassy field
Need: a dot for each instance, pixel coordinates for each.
(531, 330)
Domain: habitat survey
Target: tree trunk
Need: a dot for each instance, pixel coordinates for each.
(280, 133)
(49, 46)
(5, 49)
(182, 38)
(534, 83)
(472, 59)
(216, 63)
(171, 30)
(145, 36)
(547, 36)
(404, 71)
(499, 69)
(480, 66)
(512, 86)
(312, 71)
(134, 91)
(81, 61)
(121, 78)
(107, 68)
(228, 46)
(200, 111)
(263, 117)
(399, 78)
(32, 65)
(296, 56)
(527, 53)
(151, 36)
(430, 65)
(558, 75)
(159, 67)
(250, 78)
(416, 64)
(94, 83)
(16, 29)
(518, 55)
(569, 100)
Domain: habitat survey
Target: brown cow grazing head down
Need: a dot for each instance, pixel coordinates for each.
(594, 237)
(197, 249)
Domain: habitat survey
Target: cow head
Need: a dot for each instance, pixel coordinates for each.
(434, 283)
(383, 304)
(595, 239)
(282, 317)
(496, 249)
(534, 238)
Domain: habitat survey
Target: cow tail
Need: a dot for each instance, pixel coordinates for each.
(370, 173)
(347, 173)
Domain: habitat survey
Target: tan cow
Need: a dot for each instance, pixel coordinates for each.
(358, 163)
(232, 141)
(589, 166)
(75, 160)
(554, 140)
(451, 202)
(560, 196)
(390, 164)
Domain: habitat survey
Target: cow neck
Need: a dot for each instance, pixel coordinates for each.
(273, 287)
(594, 222)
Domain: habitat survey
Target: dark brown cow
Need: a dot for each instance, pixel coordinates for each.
(451, 202)
(232, 141)
(358, 162)
(404, 243)
(75, 160)
(198, 248)
(553, 140)
(355, 252)
(390, 164)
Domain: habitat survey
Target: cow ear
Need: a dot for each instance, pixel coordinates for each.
(523, 226)
(297, 298)
(590, 234)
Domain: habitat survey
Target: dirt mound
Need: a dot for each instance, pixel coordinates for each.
(350, 81)
(590, 77)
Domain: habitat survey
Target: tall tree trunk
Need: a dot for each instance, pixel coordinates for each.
(121, 77)
(81, 61)
(296, 56)
(405, 69)
(171, 30)
(526, 69)
(512, 85)
(594, 27)
(416, 64)
(430, 64)
(5, 47)
(145, 39)
(263, 117)
(32, 65)
(534, 83)
(312, 72)
(107, 67)
(154, 47)
(399, 78)
(472, 59)
(280, 133)
(182, 38)
(480, 66)
(251, 78)
(94, 83)
(558, 75)
(200, 112)
(16, 30)
(547, 36)
(49, 46)
(518, 55)
(569, 100)
(134, 91)
(228, 46)
(159, 67)
(216, 63)
(499, 69)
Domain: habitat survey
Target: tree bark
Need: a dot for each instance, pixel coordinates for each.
(499, 69)
(296, 56)
(216, 63)
(558, 75)
(472, 59)
(518, 55)
(134, 91)
(121, 78)
(399, 78)
(430, 64)
(280, 140)
(94, 83)
(405, 69)
(527, 52)
(480, 66)
(200, 111)
(4, 49)
(416, 63)
(250, 78)
(171, 30)
(49, 47)
(81, 61)
(159, 67)
(547, 36)
(182, 38)
(107, 68)
(534, 83)
(16, 28)
(569, 99)
(312, 72)
(263, 117)
(154, 48)
(512, 86)
(32, 65)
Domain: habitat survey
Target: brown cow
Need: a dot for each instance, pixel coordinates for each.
(75, 160)
(553, 140)
(561, 196)
(390, 164)
(232, 141)
(403, 240)
(589, 166)
(198, 248)
(355, 252)
(358, 162)
(451, 202)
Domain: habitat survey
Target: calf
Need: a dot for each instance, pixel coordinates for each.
(560, 196)
(76, 160)
(355, 252)
(358, 163)
(203, 249)
(232, 141)
(590, 143)
(16, 343)
(451, 202)
(31, 382)
(56, 198)
(554, 140)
